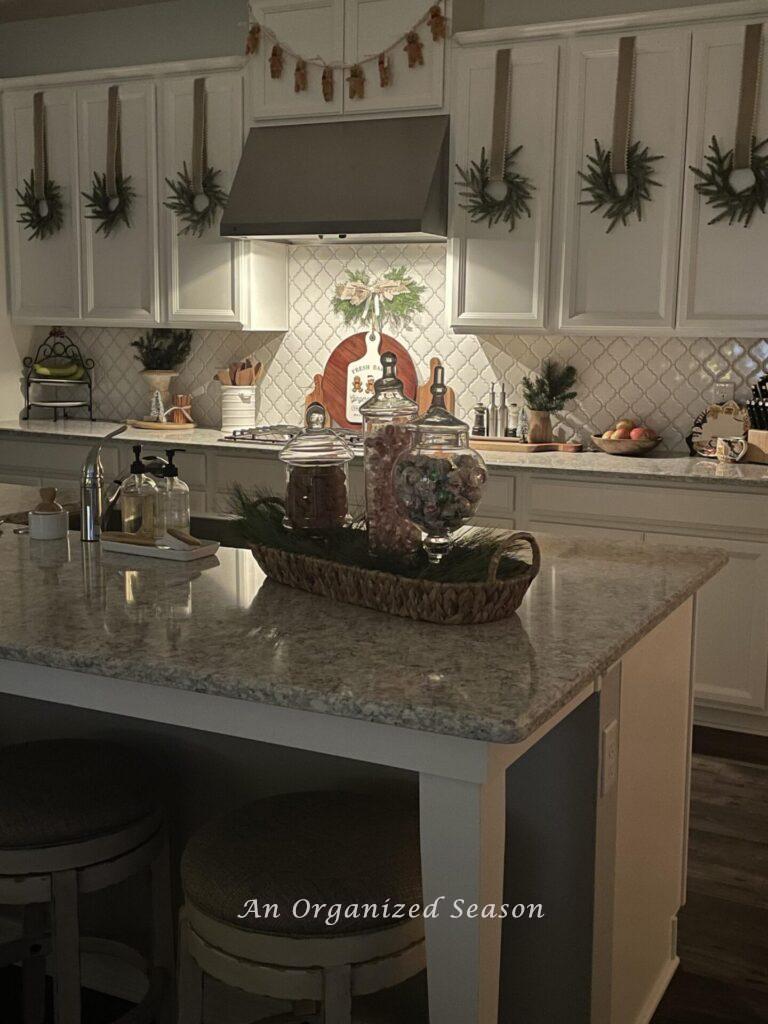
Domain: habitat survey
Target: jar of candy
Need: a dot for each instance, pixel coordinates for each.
(387, 432)
(317, 487)
(439, 481)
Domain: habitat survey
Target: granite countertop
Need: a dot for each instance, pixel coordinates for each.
(662, 467)
(217, 626)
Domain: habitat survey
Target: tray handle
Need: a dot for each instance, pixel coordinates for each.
(505, 548)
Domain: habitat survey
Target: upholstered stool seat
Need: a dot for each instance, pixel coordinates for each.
(78, 816)
(304, 897)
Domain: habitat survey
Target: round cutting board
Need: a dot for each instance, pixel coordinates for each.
(335, 373)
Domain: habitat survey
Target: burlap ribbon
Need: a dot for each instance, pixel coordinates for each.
(114, 156)
(750, 80)
(199, 136)
(502, 91)
(622, 108)
(40, 154)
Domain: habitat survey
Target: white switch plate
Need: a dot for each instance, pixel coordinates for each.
(723, 391)
(609, 761)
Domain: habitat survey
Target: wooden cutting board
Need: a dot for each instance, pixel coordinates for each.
(425, 391)
(335, 373)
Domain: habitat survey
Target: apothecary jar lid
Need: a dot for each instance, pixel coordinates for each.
(316, 445)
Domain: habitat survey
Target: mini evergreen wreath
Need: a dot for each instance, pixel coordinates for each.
(715, 184)
(392, 299)
(196, 209)
(617, 206)
(109, 211)
(41, 217)
(481, 205)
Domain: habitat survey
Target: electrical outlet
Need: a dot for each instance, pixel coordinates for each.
(609, 761)
(723, 391)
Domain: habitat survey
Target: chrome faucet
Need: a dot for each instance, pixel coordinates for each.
(91, 490)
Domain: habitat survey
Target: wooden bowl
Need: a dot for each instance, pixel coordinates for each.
(621, 446)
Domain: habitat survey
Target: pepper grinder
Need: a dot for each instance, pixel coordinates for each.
(493, 414)
(503, 412)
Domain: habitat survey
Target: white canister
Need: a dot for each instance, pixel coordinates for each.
(238, 407)
(48, 525)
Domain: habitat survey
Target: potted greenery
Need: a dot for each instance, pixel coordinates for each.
(161, 351)
(546, 392)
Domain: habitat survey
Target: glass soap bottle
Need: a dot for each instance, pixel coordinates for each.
(317, 485)
(439, 482)
(387, 432)
(140, 503)
(174, 495)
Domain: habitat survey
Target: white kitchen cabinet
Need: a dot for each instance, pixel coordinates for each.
(730, 655)
(121, 271)
(624, 280)
(370, 27)
(312, 28)
(722, 266)
(44, 273)
(498, 277)
(207, 276)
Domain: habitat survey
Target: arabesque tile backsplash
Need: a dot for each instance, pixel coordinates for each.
(665, 381)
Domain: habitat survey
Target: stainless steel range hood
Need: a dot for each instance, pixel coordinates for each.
(383, 179)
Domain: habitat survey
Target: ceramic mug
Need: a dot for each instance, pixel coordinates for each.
(731, 449)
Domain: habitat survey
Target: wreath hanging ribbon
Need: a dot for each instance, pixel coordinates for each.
(393, 298)
(619, 180)
(41, 199)
(112, 195)
(517, 191)
(735, 182)
(196, 196)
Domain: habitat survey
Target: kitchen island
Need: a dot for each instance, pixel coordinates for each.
(548, 748)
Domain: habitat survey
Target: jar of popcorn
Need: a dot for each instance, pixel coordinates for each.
(387, 433)
(317, 487)
(439, 480)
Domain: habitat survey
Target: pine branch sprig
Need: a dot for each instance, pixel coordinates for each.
(550, 388)
(162, 348)
(110, 211)
(481, 205)
(715, 184)
(40, 220)
(619, 207)
(184, 201)
(397, 312)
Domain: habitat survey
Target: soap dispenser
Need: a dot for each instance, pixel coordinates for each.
(139, 501)
(174, 494)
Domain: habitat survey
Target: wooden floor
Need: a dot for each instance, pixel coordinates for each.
(723, 929)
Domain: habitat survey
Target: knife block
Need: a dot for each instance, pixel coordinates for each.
(757, 446)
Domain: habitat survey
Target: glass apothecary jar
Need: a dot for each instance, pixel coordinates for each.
(316, 469)
(439, 481)
(388, 417)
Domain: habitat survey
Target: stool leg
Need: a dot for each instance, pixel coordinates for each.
(190, 980)
(33, 966)
(65, 934)
(337, 995)
(163, 954)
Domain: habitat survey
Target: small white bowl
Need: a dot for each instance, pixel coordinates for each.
(48, 525)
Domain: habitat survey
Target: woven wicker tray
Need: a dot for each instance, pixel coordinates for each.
(449, 603)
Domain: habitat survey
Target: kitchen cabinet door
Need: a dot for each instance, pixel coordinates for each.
(44, 273)
(626, 280)
(730, 655)
(498, 278)
(120, 272)
(204, 277)
(373, 25)
(722, 267)
(312, 28)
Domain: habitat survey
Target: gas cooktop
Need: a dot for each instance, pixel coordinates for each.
(278, 435)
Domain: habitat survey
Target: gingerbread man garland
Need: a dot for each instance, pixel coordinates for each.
(252, 39)
(437, 22)
(276, 61)
(300, 76)
(414, 48)
(356, 81)
(327, 83)
(385, 70)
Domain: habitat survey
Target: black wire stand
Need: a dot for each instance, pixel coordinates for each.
(58, 346)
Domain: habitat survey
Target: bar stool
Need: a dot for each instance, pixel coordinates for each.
(77, 816)
(293, 853)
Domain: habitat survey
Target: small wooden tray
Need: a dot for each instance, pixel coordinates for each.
(513, 446)
(155, 425)
(152, 551)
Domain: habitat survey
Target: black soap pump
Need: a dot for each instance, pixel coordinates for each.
(175, 495)
(139, 503)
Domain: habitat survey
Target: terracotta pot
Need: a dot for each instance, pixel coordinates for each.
(160, 380)
(539, 427)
